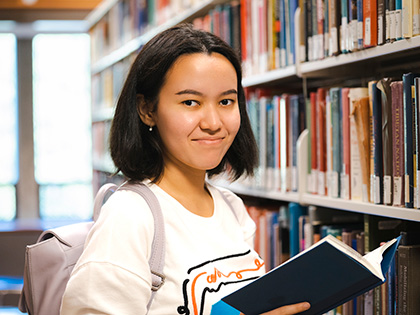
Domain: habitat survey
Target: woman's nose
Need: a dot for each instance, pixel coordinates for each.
(211, 119)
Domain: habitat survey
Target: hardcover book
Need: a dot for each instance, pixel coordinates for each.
(384, 85)
(398, 142)
(327, 274)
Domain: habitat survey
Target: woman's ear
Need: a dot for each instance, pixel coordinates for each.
(145, 111)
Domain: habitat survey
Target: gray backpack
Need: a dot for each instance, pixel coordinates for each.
(50, 261)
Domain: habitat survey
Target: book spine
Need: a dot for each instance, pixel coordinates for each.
(407, 18)
(326, 36)
(416, 18)
(360, 24)
(336, 140)
(371, 142)
(353, 24)
(308, 29)
(315, 41)
(384, 85)
(283, 37)
(345, 192)
(277, 36)
(408, 81)
(321, 140)
(377, 146)
(398, 19)
(390, 21)
(320, 5)
(295, 212)
(381, 24)
(314, 143)
(370, 20)
(344, 26)
(356, 175)
(270, 164)
(408, 279)
(294, 119)
(334, 21)
(293, 5)
(328, 143)
(417, 132)
(398, 142)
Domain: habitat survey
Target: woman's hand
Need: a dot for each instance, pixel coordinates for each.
(290, 309)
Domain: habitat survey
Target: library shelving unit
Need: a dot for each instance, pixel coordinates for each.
(381, 60)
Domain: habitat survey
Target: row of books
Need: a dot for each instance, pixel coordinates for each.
(362, 140)
(107, 85)
(285, 231)
(332, 27)
(128, 19)
(277, 119)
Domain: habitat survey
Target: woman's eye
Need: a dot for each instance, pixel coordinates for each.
(226, 102)
(190, 103)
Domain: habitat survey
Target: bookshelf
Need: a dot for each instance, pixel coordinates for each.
(302, 71)
(356, 68)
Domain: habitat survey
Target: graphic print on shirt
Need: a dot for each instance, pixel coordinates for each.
(215, 275)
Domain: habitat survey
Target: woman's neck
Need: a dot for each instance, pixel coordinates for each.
(189, 189)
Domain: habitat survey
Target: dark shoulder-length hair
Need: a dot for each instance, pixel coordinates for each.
(136, 151)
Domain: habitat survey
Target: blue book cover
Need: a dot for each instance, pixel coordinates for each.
(326, 275)
(359, 24)
(409, 136)
(293, 5)
(295, 211)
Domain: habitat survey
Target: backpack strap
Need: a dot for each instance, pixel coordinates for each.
(157, 258)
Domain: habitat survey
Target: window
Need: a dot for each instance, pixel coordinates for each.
(62, 125)
(8, 127)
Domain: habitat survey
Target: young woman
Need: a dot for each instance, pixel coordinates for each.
(181, 118)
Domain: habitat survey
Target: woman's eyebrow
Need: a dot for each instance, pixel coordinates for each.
(194, 92)
(187, 91)
(231, 91)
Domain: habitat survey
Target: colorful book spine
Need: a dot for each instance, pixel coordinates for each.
(398, 143)
(370, 23)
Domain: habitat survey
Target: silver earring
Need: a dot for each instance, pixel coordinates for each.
(150, 128)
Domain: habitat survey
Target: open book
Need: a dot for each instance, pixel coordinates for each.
(327, 274)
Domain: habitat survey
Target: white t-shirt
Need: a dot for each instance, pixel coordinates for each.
(205, 258)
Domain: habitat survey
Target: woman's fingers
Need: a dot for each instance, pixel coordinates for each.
(290, 309)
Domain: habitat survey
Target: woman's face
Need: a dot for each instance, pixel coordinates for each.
(197, 116)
